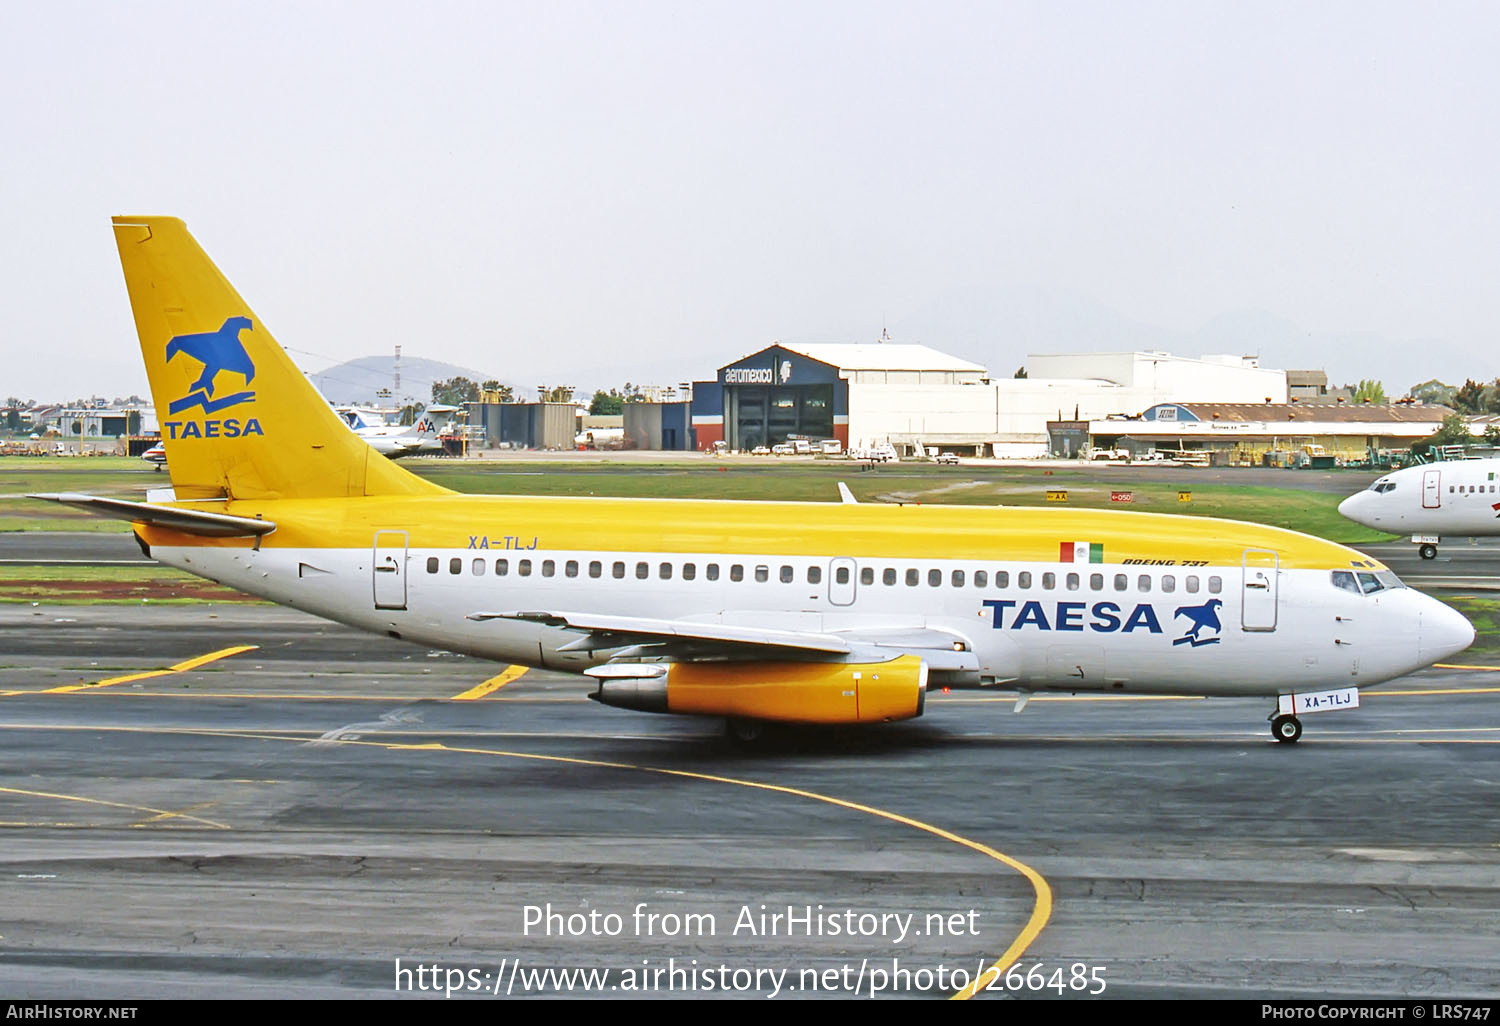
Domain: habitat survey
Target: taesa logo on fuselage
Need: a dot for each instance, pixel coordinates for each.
(1104, 618)
(218, 351)
(1204, 616)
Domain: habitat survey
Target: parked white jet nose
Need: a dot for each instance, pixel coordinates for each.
(1362, 508)
(1442, 632)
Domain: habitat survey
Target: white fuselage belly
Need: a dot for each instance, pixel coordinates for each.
(1084, 638)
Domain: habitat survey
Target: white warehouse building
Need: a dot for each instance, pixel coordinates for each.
(912, 396)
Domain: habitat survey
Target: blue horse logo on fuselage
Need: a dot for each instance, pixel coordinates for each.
(1204, 616)
(218, 351)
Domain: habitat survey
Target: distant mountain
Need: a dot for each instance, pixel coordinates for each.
(359, 381)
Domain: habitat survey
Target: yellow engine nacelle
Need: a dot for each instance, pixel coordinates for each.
(786, 692)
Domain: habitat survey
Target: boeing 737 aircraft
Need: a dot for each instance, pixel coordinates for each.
(395, 440)
(754, 611)
(1457, 497)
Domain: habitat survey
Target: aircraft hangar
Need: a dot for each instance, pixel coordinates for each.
(913, 396)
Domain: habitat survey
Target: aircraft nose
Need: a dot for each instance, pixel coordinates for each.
(1354, 508)
(1442, 632)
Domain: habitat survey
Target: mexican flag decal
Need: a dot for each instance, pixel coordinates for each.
(1082, 552)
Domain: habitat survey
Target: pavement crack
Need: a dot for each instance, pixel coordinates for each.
(1396, 894)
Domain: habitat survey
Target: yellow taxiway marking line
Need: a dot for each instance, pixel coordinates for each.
(495, 683)
(1374, 692)
(1460, 666)
(186, 664)
(173, 815)
(1041, 910)
(156, 813)
(1429, 691)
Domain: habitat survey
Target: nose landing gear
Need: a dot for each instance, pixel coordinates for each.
(1285, 728)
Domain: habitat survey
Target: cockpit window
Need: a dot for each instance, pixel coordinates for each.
(1389, 579)
(1344, 579)
(1369, 583)
(1383, 486)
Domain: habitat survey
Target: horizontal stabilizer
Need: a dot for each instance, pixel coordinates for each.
(189, 521)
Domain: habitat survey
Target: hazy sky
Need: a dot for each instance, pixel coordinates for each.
(585, 193)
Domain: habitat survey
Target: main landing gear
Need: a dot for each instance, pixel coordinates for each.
(1285, 728)
(744, 731)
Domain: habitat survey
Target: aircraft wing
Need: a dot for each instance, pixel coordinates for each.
(190, 521)
(644, 638)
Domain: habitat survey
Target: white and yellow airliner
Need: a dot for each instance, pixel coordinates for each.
(1428, 502)
(755, 611)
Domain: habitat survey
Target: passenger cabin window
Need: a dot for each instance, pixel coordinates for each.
(1023, 579)
(549, 567)
(866, 575)
(1072, 582)
(642, 571)
(432, 564)
(689, 571)
(787, 575)
(1096, 582)
(1215, 585)
(958, 578)
(888, 576)
(1002, 579)
(713, 572)
(477, 567)
(618, 570)
(1168, 583)
(840, 576)
(1121, 582)
(981, 578)
(665, 571)
(736, 572)
(762, 574)
(455, 566)
(502, 567)
(934, 578)
(911, 578)
(1049, 580)
(815, 575)
(524, 568)
(596, 569)
(1143, 583)
(1192, 584)
(572, 568)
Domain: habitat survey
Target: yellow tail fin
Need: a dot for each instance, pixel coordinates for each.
(237, 417)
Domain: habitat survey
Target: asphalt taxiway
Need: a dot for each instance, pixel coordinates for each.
(185, 816)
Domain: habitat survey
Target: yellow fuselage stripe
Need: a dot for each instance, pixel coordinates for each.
(523, 526)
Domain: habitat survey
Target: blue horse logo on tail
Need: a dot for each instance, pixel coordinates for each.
(1204, 616)
(218, 351)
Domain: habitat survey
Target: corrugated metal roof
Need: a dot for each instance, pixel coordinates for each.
(1323, 413)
